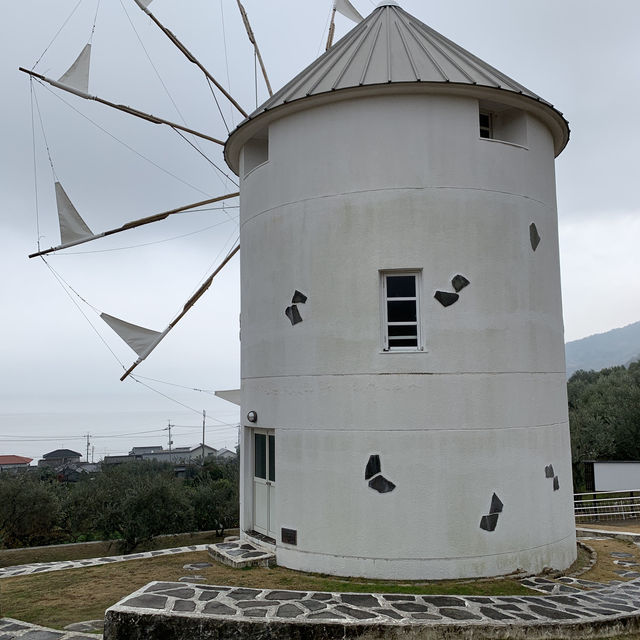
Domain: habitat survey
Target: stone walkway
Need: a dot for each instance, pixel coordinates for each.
(42, 567)
(14, 629)
(216, 606)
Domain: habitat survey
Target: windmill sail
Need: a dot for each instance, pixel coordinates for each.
(141, 340)
(230, 395)
(77, 75)
(121, 107)
(348, 10)
(192, 300)
(72, 226)
(129, 225)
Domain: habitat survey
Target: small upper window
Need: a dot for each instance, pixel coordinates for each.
(401, 321)
(486, 128)
(256, 152)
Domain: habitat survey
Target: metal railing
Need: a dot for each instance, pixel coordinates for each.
(606, 505)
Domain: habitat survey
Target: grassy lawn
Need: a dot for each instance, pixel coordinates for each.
(61, 597)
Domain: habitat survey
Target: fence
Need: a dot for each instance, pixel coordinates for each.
(606, 505)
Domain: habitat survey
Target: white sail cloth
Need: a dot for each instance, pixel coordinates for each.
(72, 226)
(141, 340)
(77, 75)
(230, 395)
(348, 10)
(143, 3)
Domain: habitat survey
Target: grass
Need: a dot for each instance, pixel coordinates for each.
(59, 598)
(80, 551)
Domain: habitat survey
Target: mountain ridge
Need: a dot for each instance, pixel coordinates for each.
(619, 346)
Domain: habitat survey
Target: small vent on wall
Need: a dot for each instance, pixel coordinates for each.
(289, 536)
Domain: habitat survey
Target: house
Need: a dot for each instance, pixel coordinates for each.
(226, 454)
(59, 457)
(177, 455)
(14, 463)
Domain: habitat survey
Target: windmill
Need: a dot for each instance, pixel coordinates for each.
(401, 319)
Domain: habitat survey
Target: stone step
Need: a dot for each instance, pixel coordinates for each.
(241, 553)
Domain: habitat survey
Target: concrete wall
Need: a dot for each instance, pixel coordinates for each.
(405, 182)
(616, 476)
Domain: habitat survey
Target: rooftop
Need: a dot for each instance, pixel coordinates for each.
(15, 460)
(392, 47)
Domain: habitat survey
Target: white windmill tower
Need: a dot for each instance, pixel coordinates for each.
(403, 375)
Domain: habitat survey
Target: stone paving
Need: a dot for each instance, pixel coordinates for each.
(14, 629)
(42, 567)
(208, 604)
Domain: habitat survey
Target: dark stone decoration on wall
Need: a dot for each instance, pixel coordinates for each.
(490, 521)
(459, 283)
(293, 314)
(496, 504)
(298, 298)
(379, 483)
(373, 467)
(549, 473)
(534, 236)
(445, 298)
(289, 536)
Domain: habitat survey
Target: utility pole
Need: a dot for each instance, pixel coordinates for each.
(204, 418)
(170, 441)
(88, 445)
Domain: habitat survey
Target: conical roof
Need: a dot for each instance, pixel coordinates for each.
(391, 47)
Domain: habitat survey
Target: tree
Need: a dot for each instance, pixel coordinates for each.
(29, 510)
(604, 415)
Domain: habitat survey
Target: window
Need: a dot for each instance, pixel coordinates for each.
(486, 129)
(256, 152)
(503, 124)
(400, 310)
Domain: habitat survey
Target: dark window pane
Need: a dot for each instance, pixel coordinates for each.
(403, 342)
(260, 452)
(485, 120)
(403, 330)
(401, 286)
(272, 458)
(401, 311)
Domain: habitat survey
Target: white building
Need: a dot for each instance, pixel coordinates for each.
(403, 374)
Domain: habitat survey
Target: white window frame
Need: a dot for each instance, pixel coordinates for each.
(417, 274)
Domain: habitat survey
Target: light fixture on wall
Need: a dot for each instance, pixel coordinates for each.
(252, 416)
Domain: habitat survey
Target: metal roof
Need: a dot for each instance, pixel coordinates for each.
(392, 47)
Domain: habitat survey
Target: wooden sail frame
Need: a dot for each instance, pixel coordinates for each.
(190, 57)
(187, 306)
(121, 107)
(135, 223)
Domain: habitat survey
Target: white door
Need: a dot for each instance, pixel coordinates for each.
(264, 482)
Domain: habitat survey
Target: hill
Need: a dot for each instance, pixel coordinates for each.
(615, 347)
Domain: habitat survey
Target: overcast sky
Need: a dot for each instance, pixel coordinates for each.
(61, 365)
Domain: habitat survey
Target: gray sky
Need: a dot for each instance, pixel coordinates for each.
(59, 381)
